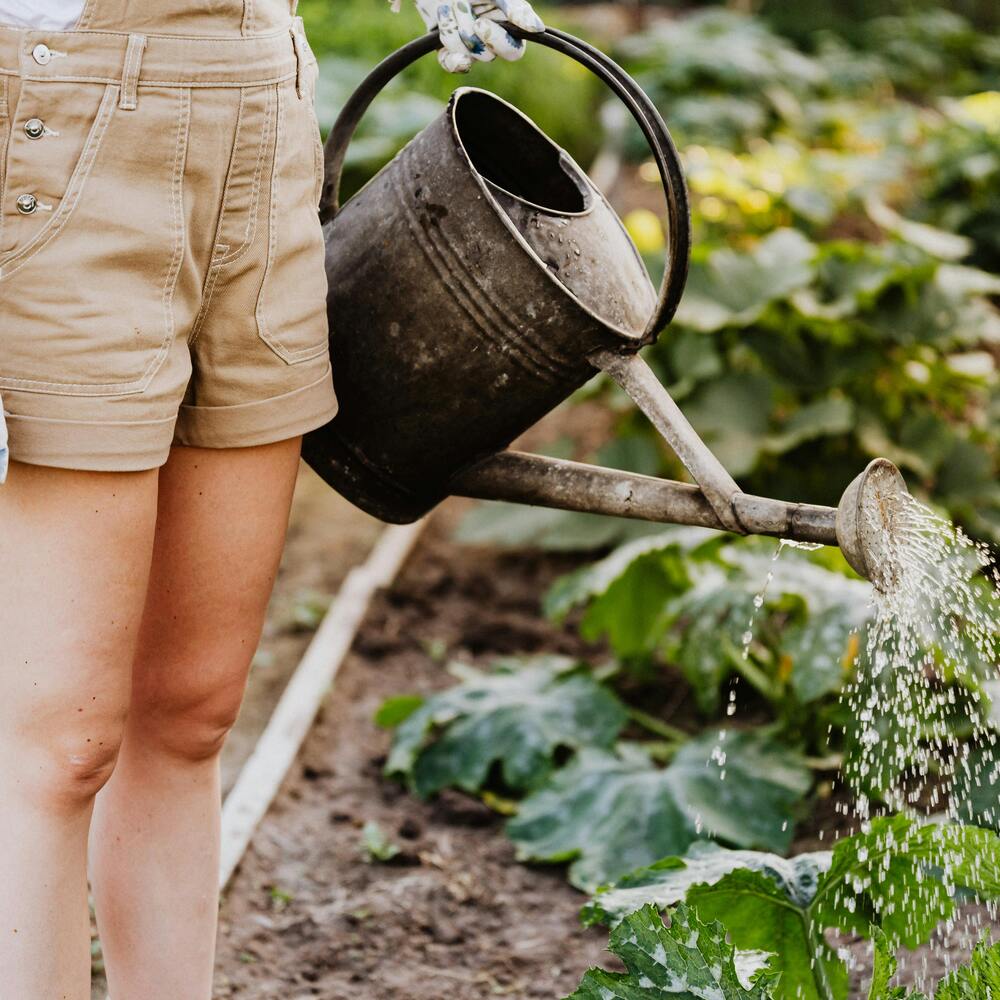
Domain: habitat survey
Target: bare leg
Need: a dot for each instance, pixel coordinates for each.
(74, 562)
(155, 838)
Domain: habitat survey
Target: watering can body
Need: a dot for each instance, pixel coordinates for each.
(481, 278)
(470, 282)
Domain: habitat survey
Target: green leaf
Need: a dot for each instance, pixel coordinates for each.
(936, 242)
(979, 980)
(976, 791)
(667, 882)
(898, 877)
(728, 288)
(593, 581)
(755, 910)
(689, 960)
(627, 592)
(395, 711)
(375, 845)
(832, 416)
(886, 877)
(713, 611)
(732, 414)
(818, 654)
(884, 962)
(514, 525)
(518, 716)
(610, 813)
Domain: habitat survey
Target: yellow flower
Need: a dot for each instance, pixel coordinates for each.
(646, 230)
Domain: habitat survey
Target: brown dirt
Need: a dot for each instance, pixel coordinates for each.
(454, 915)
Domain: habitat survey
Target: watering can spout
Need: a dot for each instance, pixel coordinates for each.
(863, 525)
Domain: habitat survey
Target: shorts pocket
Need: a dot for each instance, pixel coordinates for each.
(86, 296)
(291, 306)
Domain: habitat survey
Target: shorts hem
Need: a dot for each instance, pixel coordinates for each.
(263, 421)
(90, 445)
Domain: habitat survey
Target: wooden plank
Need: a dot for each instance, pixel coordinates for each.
(279, 744)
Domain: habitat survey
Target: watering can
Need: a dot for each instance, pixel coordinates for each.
(478, 281)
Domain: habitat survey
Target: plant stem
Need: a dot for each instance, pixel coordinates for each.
(654, 725)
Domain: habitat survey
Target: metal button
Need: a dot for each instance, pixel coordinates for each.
(42, 54)
(34, 128)
(27, 204)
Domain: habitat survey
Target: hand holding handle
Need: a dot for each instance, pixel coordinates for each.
(624, 87)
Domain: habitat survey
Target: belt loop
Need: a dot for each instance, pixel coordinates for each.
(299, 44)
(129, 99)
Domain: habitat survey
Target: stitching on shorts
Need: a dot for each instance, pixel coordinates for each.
(228, 257)
(251, 230)
(249, 18)
(74, 188)
(269, 81)
(6, 129)
(122, 35)
(289, 356)
(86, 15)
(141, 383)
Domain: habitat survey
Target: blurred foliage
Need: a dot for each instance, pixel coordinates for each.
(846, 205)
(350, 36)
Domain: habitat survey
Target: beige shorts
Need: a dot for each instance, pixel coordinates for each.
(161, 258)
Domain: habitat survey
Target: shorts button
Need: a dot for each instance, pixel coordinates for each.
(42, 54)
(34, 128)
(27, 204)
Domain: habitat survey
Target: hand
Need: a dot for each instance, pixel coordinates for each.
(470, 30)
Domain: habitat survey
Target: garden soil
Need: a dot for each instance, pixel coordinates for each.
(453, 915)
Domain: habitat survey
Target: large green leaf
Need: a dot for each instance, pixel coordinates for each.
(518, 716)
(610, 813)
(755, 909)
(727, 288)
(884, 968)
(667, 882)
(689, 960)
(627, 592)
(976, 791)
(979, 980)
(901, 877)
(896, 877)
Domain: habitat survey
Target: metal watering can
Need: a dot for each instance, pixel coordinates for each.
(477, 282)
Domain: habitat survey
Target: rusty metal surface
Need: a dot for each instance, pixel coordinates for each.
(532, 479)
(449, 336)
(639, 381)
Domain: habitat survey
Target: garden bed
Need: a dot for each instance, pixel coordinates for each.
(454, 914)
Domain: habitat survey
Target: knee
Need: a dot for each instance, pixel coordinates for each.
(191, 726)
(76, 764)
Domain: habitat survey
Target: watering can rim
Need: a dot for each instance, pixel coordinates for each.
(589, 187)
(596, 197)
(623, 86)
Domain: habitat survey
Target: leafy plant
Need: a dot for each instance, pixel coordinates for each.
(979, 980)
(610, 812)
(689, 960)
(688, 598)
(375, 844)
(896, 877)
(518, 716)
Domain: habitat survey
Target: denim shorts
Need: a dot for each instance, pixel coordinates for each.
(162, 271)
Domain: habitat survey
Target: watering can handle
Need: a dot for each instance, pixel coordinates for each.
(624, 87)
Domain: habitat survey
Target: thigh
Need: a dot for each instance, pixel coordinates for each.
(74, 561)
(220, 530)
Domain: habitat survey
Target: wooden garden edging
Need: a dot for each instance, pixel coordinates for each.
(278, 746)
